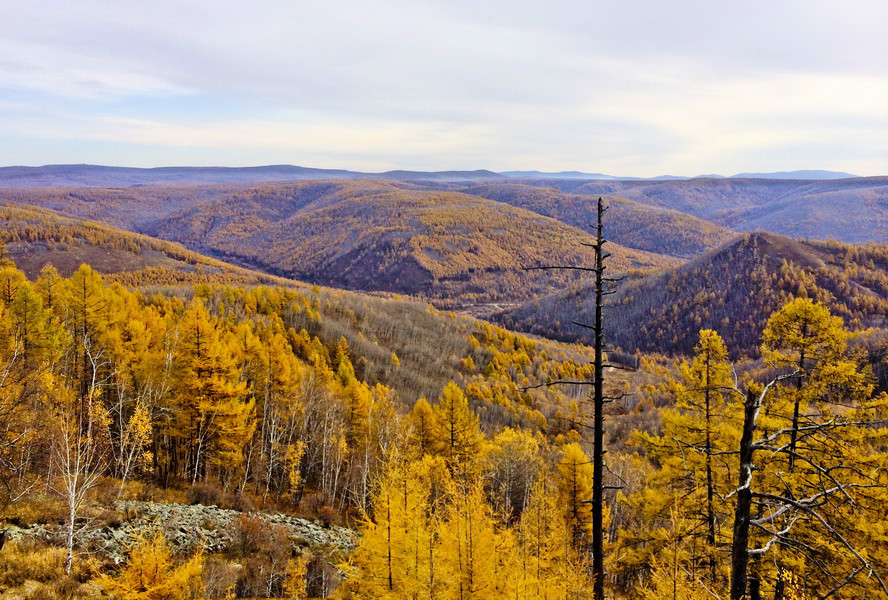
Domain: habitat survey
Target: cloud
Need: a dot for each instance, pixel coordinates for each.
(632, 87)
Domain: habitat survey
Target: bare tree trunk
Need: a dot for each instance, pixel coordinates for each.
(69, 534)
(710, 487)
(740, 544)
(598, 408)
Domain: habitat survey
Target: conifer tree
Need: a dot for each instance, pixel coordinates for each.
(457, 436)
(550, 567)
(575, 487)
(479, 553)
(400, 554)
(808, 461)
(213, 420)
(151, 574)
(421, 423)
(696, 463)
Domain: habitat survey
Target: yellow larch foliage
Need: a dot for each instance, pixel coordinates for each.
(575, 489)
(457, 435)
(151, 574)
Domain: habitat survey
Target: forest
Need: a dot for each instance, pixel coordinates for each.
(430, 455)
(177, 425)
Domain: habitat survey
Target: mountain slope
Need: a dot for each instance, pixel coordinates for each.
(374, 235)
(732, 289)
(127, 208)
(628, 223)
(430, 345)
(33, 237)
(850, 210)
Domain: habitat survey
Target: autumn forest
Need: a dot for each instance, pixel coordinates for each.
(456, 388)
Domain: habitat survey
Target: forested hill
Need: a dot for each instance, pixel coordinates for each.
(128, 208)
(457, 449)
(263, 404)
(849, 210)
(388, 236)
(732, 289)
(34, 237)
(631, 224)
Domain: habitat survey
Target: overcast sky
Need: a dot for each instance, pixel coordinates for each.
(624, 87)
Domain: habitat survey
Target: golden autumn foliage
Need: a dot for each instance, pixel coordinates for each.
(816, 452)
(151, 574)
(292, 399)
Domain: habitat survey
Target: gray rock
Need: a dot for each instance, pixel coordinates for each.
(186, 528)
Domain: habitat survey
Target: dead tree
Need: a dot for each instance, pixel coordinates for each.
(598, 396)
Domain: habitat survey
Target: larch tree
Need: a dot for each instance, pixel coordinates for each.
(401, 553)
(694, 453)
(575, 485)
(810, 470)
(479, 552)
(550, 566)
(421, 421)
(214, 419)
(151, 573)
(457, 436)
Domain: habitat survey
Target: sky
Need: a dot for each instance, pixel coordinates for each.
(627, 88)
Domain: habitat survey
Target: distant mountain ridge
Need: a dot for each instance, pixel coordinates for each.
(808, 175)
(106, 176)
(850, 210)
(85, 175)
(631, 224)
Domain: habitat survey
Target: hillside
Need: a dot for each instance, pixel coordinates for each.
(386, 236)
(127, 208)
(630, 224)
(732, 289)
(849, 210)
(281, 438)
(33, 237)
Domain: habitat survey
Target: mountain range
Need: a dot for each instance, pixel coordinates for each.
(716, 252)
(84, 175)
(809, 174)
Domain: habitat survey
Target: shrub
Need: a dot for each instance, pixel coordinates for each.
(150, 573)
(328, 515)
(36, 510)
(206, 493)
(219, 577)
(242, 502)
(251, 534)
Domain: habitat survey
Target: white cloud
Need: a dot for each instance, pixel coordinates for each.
(629, 87)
